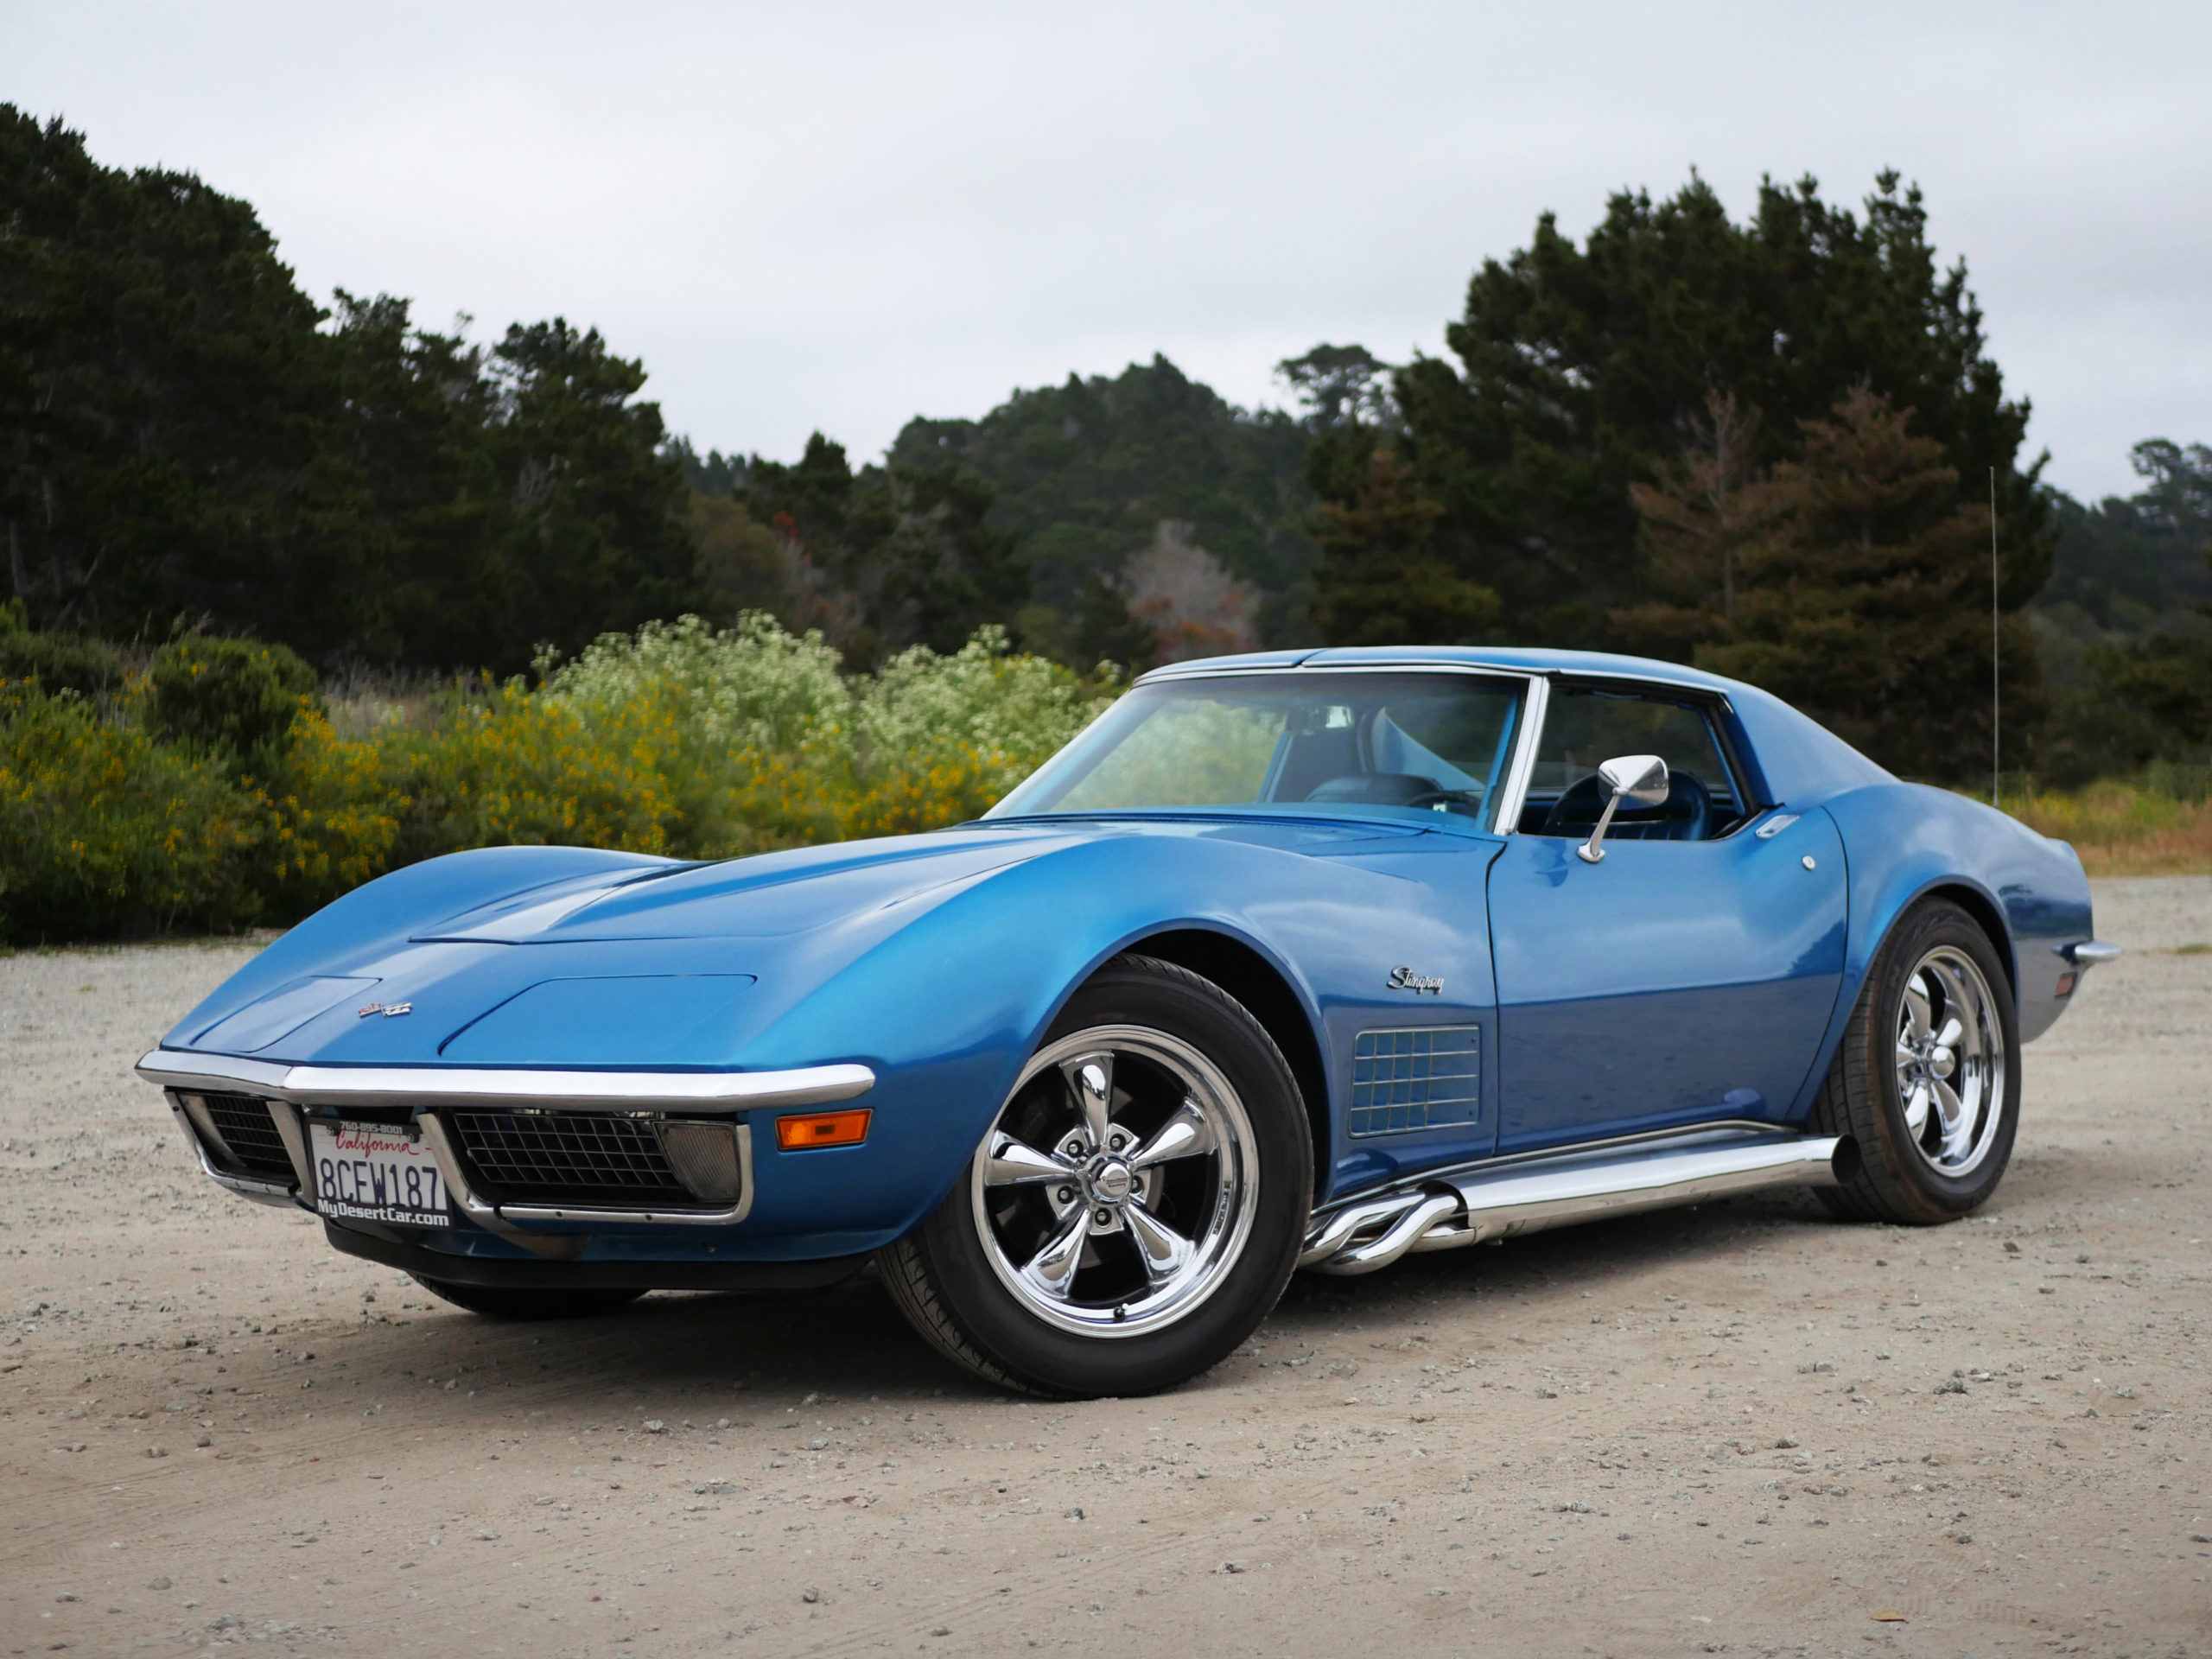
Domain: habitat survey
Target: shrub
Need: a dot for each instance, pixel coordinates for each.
(338, 812)
(499, 767)
(61, 662)
(941, 739)
(226, 792)
(232, 699)
(2160, 825)
(104, 830)
(775, 747)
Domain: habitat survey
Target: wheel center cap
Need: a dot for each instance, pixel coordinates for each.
(1110, 1179)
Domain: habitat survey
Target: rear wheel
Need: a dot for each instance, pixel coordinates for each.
(1927, 1083)
(510, 1302)
(1136, 1207)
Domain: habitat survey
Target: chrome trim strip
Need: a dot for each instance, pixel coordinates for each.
(338, 1085)
(194, 1108)
(1727, 1131)
(2091, 953)
(1655, 676)
(286, 1116)
(1515, 795)
(1442, 1213)
(245, 1186)
(560, 1247)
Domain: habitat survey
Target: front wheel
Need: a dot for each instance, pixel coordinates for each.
(1927, 1083)
(1136, 1207)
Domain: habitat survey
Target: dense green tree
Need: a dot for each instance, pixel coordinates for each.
(1860, 594)
(183, 441)
(164, 399)
(596, 538)
(2124, 626)
(1085, 473)
(888, 556)
(1580, 367)
(1381, 581)
(413, 408)
(1342, 386)
(2134, 563)
(713, 473)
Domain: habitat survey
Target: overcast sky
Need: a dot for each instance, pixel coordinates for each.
(837, 217)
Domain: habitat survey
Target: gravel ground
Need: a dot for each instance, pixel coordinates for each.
(1742, 1428)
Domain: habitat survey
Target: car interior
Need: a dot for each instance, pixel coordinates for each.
(1586, 726)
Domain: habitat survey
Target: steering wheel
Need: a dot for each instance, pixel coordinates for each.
(1686, 815)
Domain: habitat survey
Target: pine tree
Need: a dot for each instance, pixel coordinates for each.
(1576, 371)
(1381, 581)
(1865, 597)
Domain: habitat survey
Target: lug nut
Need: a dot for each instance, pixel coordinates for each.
(1067, 1195)
(1103, 1217)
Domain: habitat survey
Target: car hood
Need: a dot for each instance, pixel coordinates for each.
(772, 896)
(622, 961)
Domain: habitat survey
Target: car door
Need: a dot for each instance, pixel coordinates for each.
(1690, 975)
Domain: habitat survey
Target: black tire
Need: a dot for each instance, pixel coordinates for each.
(1890, 1179)
(943, 1274)
(510, 1302)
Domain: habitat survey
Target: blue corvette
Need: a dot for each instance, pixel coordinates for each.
(1297, 959)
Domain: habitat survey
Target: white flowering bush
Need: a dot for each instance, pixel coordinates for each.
(776, 747)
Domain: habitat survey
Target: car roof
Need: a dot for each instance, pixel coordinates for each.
(1797, 758)
(1525, 659)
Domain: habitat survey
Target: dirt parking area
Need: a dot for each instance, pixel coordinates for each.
(1738, 1429)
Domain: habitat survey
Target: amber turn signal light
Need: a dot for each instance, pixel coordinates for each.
(822, 1129)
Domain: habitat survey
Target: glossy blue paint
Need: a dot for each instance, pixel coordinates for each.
(636, 1020)
(1674, 981)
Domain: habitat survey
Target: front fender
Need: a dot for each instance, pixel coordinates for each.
(948, 1009)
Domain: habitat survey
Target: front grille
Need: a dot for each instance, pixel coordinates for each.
(584, 1158)
(244, 1124)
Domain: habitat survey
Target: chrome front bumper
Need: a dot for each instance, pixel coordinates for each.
(289, 1091)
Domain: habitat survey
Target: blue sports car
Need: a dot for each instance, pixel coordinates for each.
(1296, 959)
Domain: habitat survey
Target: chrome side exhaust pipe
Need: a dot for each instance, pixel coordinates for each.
(1454, 1208)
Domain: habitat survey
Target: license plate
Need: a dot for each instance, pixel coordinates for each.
(374, 1171)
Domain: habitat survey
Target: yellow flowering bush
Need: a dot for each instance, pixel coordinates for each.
(680, 740)
(778, 748)
(103, 829)
(498, 767)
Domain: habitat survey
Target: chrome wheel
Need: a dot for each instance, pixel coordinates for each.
(1118, 1185)
(1951, 1062)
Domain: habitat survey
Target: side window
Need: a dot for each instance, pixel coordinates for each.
(1586, 727)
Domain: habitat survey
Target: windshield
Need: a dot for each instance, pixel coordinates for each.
(1328, 742)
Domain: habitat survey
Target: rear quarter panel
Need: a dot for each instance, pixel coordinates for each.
(1906, 841)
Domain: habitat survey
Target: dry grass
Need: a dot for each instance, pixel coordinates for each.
(2121, 829)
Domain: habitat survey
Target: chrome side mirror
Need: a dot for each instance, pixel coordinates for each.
(1639, 779)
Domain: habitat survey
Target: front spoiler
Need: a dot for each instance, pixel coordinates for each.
(530, 1273)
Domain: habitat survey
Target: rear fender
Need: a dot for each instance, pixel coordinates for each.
(1904, 842)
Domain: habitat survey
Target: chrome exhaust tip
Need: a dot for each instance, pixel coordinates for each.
(1449, 1209)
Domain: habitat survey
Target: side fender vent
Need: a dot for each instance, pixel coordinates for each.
(1426, 1077)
